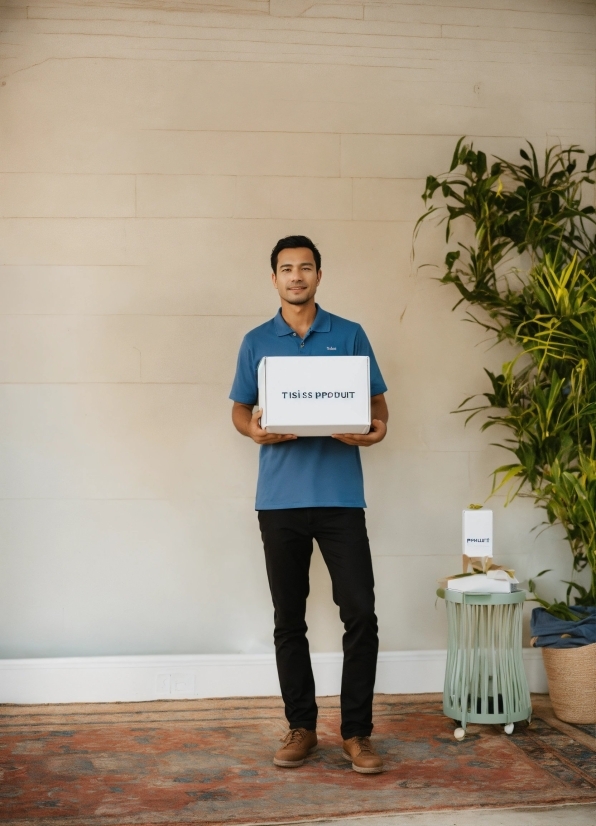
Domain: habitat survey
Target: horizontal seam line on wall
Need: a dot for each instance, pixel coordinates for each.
(270, 62)
(210, 175)
(192, 218)
(315, 42)
(483, 57)
(278, 24)
(437, 135)
(136, 315)
(292, 59)
(138, 383)
(321, 29)
(384, 40)
(254, 34)
(248, 497)
(223, 217)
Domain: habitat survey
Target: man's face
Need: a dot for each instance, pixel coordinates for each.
(296, 279)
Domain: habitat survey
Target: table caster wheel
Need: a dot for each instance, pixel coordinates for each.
(509, 728)
(459, 733)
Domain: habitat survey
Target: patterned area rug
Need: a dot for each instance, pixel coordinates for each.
(209, 762)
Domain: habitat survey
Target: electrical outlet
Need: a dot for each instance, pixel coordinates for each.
(178, 684)
(163, 685)
(182, 685)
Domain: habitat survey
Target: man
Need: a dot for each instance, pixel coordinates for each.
(312, 488)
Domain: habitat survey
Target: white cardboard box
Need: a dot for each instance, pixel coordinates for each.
(477, 532)
(314, 395)
(482, 584)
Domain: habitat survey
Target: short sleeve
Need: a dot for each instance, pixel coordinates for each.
(362, 348)
(245, 389)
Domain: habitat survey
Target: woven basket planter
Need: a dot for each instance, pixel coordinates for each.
(571, 676)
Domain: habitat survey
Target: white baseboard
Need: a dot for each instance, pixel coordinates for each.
(136, 678)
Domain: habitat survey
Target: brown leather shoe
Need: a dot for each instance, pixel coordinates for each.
(363, 756)
(298, 743)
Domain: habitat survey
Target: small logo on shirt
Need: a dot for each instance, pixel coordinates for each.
(332, 348)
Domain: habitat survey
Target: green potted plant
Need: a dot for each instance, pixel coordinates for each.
(545, 396)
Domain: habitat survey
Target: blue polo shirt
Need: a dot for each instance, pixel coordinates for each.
(313, 471)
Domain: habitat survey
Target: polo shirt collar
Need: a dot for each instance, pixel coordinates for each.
(321, 324)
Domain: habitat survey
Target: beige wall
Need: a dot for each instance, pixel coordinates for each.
(151, 153)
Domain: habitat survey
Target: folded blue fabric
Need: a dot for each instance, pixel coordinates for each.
(549, 630)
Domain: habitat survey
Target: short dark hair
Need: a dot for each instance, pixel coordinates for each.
(293, 242)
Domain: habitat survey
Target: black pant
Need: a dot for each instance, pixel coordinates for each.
(342, 538)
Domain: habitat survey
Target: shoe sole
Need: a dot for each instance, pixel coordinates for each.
(292, 764)
(361, 769)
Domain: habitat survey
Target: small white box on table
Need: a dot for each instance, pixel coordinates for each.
(314, 395)
(477, 532)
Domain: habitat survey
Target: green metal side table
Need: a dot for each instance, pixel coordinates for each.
(485, 681)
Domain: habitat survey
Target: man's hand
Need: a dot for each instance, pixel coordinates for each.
(260, 436)
(378, 429)
(248, 423)
(376, 434)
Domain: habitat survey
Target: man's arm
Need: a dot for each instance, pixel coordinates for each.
(379, 414)
(249, 424)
